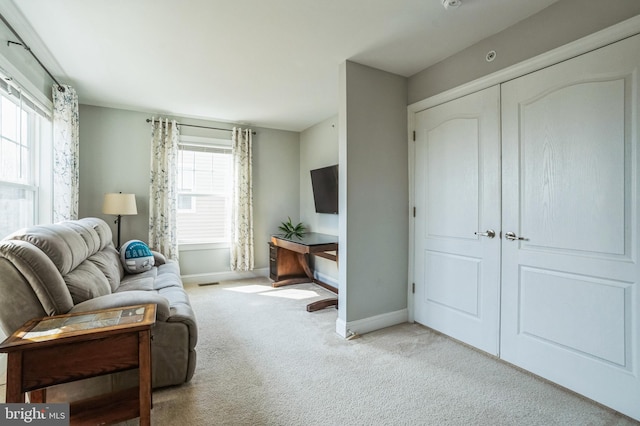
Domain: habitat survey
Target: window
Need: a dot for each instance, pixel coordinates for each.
(25, 140)
(204, 191)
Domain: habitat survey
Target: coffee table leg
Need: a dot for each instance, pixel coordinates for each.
(14, 377)
(38, 396)
(144, 369)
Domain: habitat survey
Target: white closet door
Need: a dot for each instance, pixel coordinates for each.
(457, 192)
(570, 296)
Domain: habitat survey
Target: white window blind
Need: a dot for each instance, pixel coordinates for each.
(204, 189)
(25, 141)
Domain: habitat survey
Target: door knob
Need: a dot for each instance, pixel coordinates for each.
(488, 233)
(513, 237)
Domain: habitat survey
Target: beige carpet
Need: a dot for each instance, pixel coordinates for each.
(264, 360)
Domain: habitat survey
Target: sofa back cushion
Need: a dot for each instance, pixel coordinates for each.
(86, 282)
(83, 253)
(63, 245)
(30, 285)
(107, 261)
(85, 230)
(100, 228)
(106, 257)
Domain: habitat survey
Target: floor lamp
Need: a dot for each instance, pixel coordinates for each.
(120, 205)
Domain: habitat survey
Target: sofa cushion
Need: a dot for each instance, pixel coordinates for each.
(25, 265)
(86, 282)
(62, 244)
(176, 296)
(168, 276)
(102, 229)
(108, 261)
(143, 281)
(86, 232)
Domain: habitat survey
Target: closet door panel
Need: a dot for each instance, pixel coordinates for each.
(551, 313)
(457, 192)
(570, 306)
(452, 168)
(572, 147)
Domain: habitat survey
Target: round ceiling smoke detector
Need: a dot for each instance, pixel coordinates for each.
(451, 4)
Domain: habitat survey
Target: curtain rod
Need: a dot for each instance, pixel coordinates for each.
(201, 127)
(28, 49)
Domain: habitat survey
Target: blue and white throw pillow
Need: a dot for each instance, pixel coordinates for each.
(136, 257)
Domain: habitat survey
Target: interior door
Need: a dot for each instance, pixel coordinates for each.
(570, 296)
(457, 224)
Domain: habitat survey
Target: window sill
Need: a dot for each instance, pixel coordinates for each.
(203, 246)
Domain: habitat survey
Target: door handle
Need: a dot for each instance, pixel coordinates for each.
(488, 233)
(513, 237)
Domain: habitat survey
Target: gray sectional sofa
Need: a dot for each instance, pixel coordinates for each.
(73, 266)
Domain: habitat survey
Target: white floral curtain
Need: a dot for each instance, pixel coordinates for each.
(66, 181)
(242, 202)
(162, 192)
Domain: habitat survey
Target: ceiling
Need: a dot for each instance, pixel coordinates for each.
(264, 63)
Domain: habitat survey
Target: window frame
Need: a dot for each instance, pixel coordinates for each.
(39, 128)
(206, 142)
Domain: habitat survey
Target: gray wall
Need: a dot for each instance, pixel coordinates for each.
(318, 148)
(373, 192)
(559, 24)
(114, 151)
(115, 156)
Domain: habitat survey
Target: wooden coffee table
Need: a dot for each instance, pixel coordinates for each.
(59, 349)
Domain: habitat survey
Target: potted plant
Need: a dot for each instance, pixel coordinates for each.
(291, 230)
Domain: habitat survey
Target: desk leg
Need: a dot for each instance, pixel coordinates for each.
(14, 378)
(144, 370)
(303, 259)
(303, 263)
(321, 304)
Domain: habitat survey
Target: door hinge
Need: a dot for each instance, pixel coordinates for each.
(414, 212)
(413, 288)
(414, 135)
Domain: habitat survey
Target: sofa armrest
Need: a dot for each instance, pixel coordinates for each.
(158, 258)
(183, 313)
(127, 298)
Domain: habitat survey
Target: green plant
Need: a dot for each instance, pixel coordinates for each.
(291, 230)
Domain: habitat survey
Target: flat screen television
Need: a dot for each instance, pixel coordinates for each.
(324, 183)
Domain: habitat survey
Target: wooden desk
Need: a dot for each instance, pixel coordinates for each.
(289, 262)
(64, 348)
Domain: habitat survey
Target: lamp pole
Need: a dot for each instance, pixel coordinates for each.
(118, 220)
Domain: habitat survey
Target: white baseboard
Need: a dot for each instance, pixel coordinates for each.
(195, 279)
(212, 277)
(326, 279)
(366, 325)
(341, 327)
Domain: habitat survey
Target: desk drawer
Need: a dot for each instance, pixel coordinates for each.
(284, 263)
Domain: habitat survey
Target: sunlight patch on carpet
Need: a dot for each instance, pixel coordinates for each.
(293, 293)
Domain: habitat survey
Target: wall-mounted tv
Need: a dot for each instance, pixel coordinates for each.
(324, 183)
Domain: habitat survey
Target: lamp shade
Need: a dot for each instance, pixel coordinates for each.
(119, 204)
